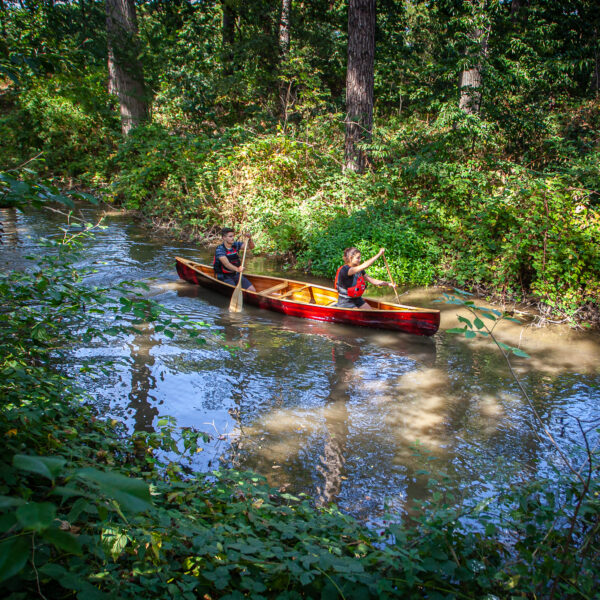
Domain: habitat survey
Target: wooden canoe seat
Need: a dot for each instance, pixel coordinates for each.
(275, 288)
(290, 292)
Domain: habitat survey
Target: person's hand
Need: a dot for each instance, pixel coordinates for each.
(381, 251)
(247, 234)
(240, 269)
(390, 284)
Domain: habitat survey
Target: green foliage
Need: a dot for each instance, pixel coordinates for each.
(392, 226)
(72, 126)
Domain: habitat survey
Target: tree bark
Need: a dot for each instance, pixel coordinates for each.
(284, 28)
(284, 48)
(125, 72)
(470, 80)
(470, 90)
(359, 82)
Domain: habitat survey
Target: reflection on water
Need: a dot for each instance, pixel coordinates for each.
(360, 417)
(141, 405)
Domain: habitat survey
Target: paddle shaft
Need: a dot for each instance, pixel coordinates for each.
(390, 276)
(237, 298)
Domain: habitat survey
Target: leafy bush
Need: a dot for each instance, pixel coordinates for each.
(70, 123)
(395, 227)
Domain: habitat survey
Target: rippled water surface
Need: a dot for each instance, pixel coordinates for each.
(360, 417)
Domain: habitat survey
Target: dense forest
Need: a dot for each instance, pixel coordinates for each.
(321, 124)
(461, 135)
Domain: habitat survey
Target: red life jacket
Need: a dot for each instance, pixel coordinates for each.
(232, 256)
(358, 287)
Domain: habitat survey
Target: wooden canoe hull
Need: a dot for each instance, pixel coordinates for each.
(311, 301)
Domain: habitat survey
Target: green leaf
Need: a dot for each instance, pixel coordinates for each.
(457, 330)
(14, 553)
(63, 540)
(478, 323)
(488, 316)
(114, 542)
(9, 502)
(36, 516)
(46, 466)
(512, 319)
(466, 321)
(519, 352)
(132, 494)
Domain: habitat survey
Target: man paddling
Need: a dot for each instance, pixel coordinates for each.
(227, 261)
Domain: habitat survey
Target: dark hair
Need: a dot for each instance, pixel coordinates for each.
(349, 252)
(226, 230)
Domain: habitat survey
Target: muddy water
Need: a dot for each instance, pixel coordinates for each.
(359, 417)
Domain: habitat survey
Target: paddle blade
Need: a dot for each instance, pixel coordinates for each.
(237, 300)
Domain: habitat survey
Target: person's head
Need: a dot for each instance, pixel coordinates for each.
(228, 235)
(352, 256)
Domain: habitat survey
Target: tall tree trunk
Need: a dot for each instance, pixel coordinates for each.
(359, 81)
(470, 80)
(125, 73)
(470, 90)
(284, 28)
(596, 73)
(228, 33)
(284, 48)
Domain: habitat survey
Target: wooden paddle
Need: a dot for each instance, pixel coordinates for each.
(391, 279)
(237, 298)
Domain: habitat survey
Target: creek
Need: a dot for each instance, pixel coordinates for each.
(371, 420)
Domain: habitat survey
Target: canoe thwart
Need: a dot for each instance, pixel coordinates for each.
(293, 291)
(274, 288)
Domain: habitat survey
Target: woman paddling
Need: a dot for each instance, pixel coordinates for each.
(351, 279)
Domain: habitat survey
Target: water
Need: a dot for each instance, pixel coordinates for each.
(360, 417)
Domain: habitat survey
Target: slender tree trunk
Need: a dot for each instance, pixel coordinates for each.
(228, 33)
(125, 73)
(596, 73)
(470, 80)
(359, 81)
(284, 28)
(285, 88)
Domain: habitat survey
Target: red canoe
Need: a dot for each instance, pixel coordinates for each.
(310, 301)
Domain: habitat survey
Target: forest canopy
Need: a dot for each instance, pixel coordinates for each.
(324, 123)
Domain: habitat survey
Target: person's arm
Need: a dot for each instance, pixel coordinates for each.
(225, 262)
(366, 264)
(378, 282)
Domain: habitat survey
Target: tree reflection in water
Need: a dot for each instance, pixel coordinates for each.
(332, 460)
(143, 381)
